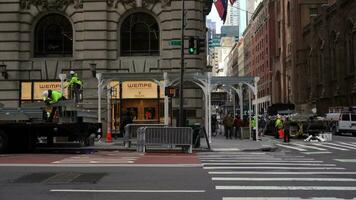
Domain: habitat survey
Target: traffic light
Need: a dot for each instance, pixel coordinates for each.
(200, 46)
(191, 49)
(171, 91)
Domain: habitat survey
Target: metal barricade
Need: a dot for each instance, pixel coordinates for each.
(167, 136)
(131, 132)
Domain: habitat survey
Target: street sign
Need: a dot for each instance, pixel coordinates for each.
(175, 42)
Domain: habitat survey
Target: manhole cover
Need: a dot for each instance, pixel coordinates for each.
(34, 178)
(61, 178)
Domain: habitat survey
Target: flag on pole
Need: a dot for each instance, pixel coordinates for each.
(221, 7)
(232, 2)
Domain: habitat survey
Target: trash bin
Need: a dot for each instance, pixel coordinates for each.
(196, 135)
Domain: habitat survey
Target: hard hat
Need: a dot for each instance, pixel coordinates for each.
(71, 72)
(45, 93)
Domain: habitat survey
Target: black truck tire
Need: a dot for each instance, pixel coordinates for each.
(4, 141)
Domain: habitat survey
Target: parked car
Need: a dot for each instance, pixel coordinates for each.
(342, 123)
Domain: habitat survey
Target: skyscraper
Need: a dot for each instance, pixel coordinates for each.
(233, 14)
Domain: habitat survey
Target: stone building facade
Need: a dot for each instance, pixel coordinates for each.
(326, 64)
(39, 39)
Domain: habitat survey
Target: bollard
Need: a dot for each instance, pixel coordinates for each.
(108, 135)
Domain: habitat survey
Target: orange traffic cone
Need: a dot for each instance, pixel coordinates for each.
(108, 135)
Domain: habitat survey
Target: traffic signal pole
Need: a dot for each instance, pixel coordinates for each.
(181, 102)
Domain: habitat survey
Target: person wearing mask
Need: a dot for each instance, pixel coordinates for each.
(75, 85)
(51, 97)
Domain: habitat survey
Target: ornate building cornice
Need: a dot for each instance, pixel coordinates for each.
(137, 3)
(50, 4)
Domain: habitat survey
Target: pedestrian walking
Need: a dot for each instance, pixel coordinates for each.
(75, 85)
(237, 125)
(253, 126)
(286, 130)
(278, 125)
(228, 124)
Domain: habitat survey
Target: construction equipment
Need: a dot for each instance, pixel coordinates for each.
(27, 127)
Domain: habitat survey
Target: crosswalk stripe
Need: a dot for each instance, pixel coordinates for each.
(331, 147)
(283, 179)
(348, 144)
(326, 188)
(310, 147)
(264, 161)
(346, 160)
(236, 153)
(281, 173)
(291, 147)
(273, 164)
(342, 146)
(279, 198)
(274, 167)
(317, 152)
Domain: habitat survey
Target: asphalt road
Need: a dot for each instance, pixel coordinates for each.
(297, 170)
(126, 183)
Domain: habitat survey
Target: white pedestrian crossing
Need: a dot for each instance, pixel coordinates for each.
(240, 173)
(310, 148)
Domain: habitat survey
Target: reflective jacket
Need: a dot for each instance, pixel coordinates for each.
(279, 123)
(74, 80)
(54, 97)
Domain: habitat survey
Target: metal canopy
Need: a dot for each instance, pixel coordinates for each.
(205, 81)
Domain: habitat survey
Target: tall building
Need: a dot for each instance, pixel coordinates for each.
(233, 14)
(42, 39)
(259, 47)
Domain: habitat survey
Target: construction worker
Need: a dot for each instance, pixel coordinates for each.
(253, 125)
(75, 85)
(278, 125)
(51, 97)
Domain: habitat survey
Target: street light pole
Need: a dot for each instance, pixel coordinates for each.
(181, 104)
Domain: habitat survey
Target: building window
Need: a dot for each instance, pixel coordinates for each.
(288, 14)
(139, 35)
(53, 37)
(313, 12)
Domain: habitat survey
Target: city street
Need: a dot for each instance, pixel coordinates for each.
(292, 171)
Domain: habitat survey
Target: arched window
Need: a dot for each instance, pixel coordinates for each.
(139, 35)
(53, 37)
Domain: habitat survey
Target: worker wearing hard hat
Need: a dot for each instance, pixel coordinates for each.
(75, 85)
(51, 97)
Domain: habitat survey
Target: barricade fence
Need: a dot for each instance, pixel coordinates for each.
(164, 136)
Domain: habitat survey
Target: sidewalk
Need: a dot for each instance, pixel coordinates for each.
(219, 143)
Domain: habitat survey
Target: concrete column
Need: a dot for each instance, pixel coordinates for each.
(166, 100)
(98, 76)
(209, 103)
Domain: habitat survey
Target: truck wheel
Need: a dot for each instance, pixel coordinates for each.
(3, 142)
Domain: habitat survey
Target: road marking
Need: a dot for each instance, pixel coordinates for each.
(343, 146)
(273, 164)
(310, 147)
(101, 165)
(317, 152)
(264, 161)
(334, 188)
(279, 198)
(273, 167)
(352, 145)
(235, 153)
(346, 160)
(128, 191)
(236, 157)
(283, 173)
(290, 147)
(331, 147)
(226, 149)
(282, 179)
